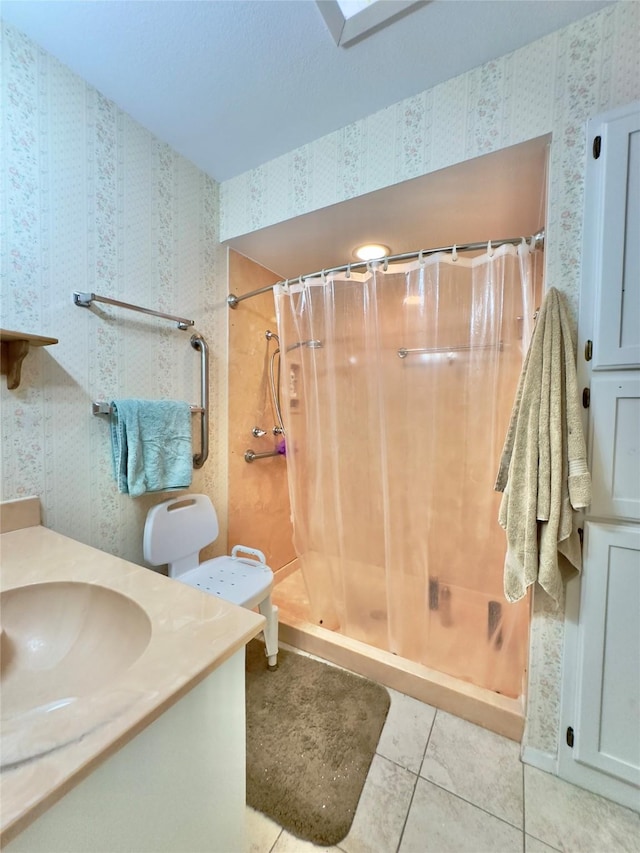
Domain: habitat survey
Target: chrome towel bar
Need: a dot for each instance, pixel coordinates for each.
(403, 352)
(84, 300)
(101, 407)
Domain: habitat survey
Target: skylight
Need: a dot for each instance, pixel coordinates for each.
(349, 8)
(350, 21)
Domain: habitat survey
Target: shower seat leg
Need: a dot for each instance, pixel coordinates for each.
(270, 612)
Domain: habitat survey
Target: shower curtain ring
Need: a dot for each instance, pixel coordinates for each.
(489, 249)
(385, 264)
(421, 257)
(454, 253)
(348, 272)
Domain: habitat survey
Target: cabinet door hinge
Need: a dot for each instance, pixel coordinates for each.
(597, 146)
(588, 351)
(570, 737)
(586, 398)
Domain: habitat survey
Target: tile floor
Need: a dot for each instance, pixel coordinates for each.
(440, 784)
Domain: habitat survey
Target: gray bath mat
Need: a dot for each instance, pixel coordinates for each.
(312, 731)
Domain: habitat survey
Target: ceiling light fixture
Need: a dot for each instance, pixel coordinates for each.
(371, 252)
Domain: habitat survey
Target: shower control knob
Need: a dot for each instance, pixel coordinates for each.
(257, 432)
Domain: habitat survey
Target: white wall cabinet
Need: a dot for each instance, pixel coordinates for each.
(600, 725)
(608, 706)
(615, 445)
(615, 241)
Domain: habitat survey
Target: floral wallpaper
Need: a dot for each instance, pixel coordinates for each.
(93, 202)
(552, 85)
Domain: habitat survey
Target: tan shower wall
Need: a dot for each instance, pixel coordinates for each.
(259, 511)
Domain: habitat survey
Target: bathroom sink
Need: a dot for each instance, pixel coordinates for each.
(62, 645)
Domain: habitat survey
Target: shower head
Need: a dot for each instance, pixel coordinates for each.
(312, 344)
(269, 334)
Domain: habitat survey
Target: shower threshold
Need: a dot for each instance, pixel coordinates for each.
(490, 710)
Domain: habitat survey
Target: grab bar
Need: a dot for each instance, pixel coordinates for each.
(274, 383)
(101, 407)
(84, 300)
(199, 343)
(250, 455)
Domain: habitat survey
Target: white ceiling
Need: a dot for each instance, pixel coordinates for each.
(231, 84)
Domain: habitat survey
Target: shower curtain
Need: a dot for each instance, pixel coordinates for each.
(397, 386)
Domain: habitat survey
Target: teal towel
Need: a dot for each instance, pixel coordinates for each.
(151, 445)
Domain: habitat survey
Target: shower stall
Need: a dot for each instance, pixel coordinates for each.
(396, 387)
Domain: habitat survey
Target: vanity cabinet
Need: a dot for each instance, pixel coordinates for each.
(178, 786)
(142, 752)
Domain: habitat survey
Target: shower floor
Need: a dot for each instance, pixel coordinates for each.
(450, 689)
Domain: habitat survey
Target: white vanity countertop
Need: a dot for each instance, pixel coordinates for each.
(192, 633)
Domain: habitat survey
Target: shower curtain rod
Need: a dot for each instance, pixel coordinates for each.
(536, 241)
